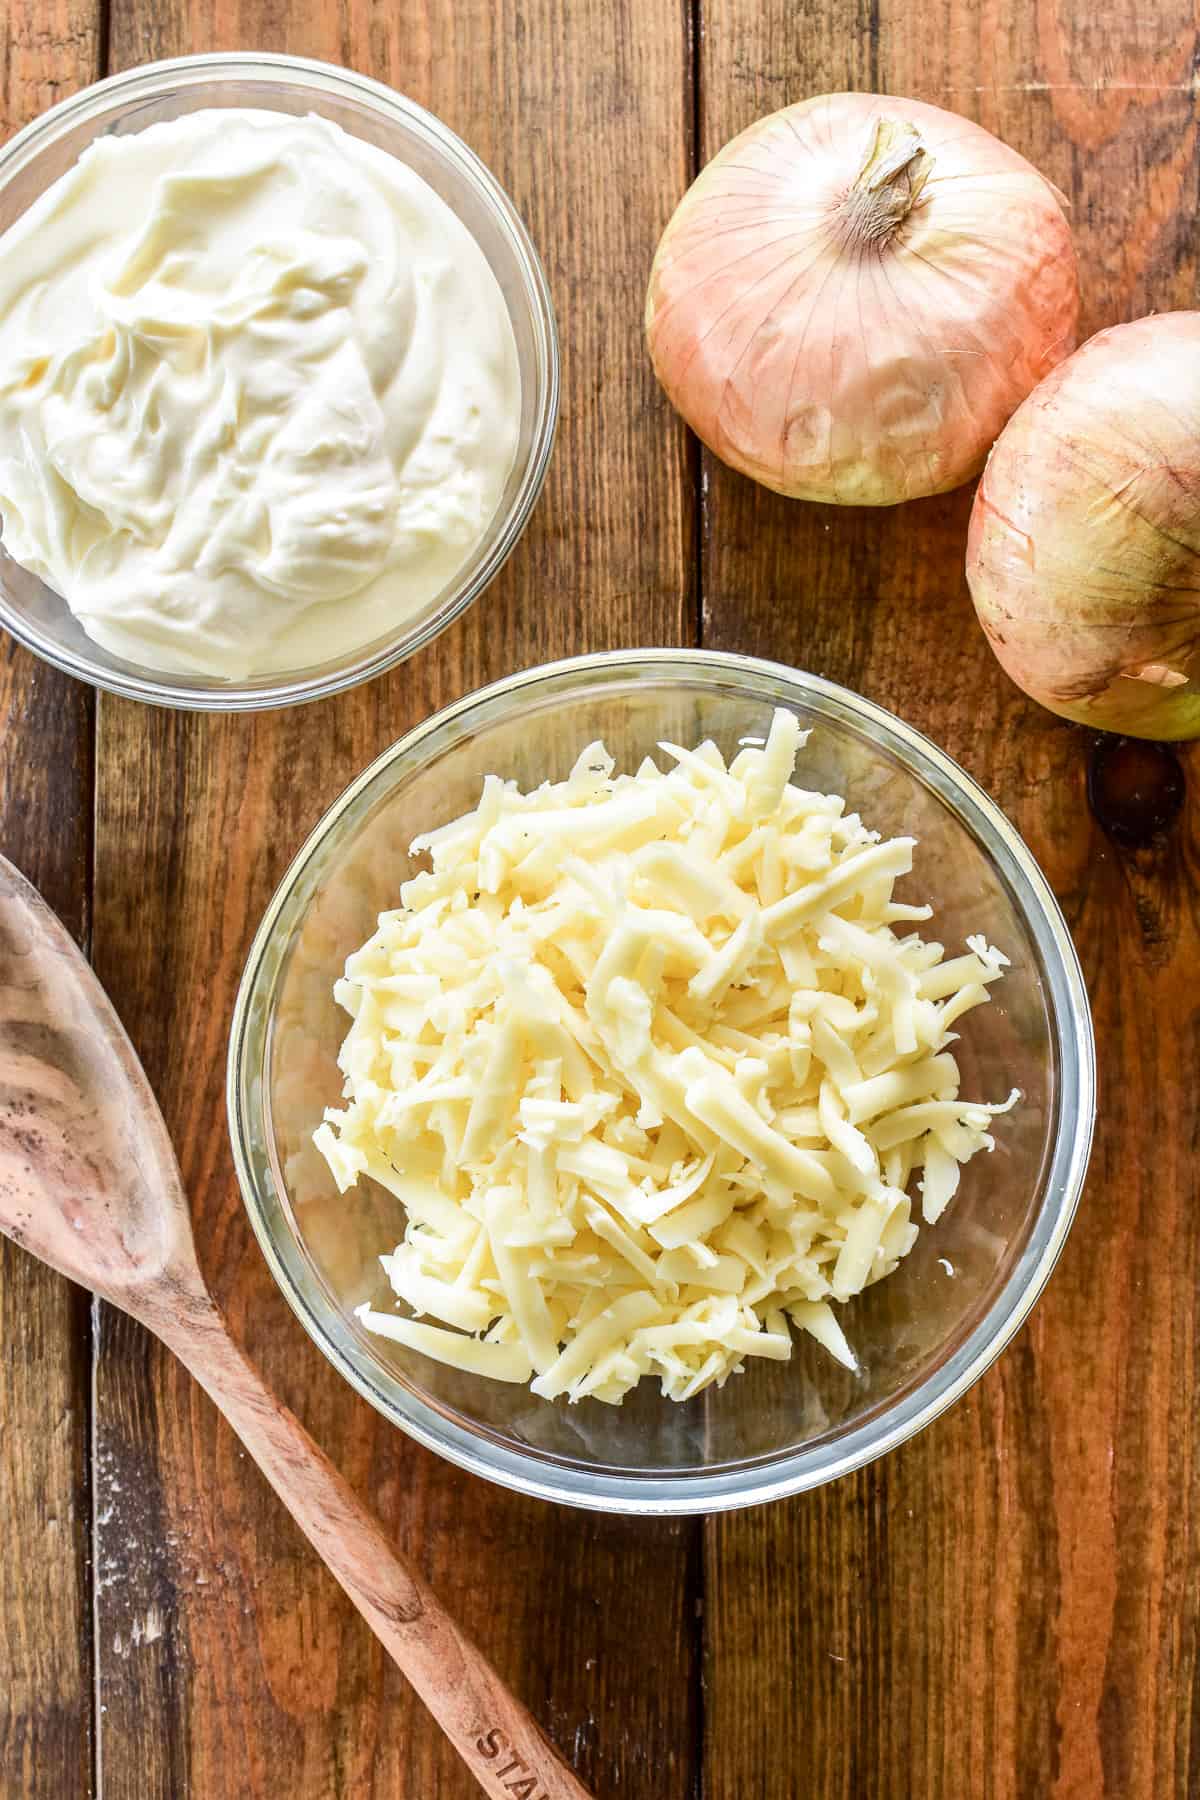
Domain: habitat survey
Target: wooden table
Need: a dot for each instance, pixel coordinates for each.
(1006, 1607)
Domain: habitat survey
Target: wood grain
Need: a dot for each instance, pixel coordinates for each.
(47, 48)
(1007, 1607)
(229, 1663)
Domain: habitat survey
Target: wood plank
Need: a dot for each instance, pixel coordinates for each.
(1008, 1606)
(229, 1663)
(46, 49)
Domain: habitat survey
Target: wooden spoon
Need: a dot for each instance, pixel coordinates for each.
(89, 1182)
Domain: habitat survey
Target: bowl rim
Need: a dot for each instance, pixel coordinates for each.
(308, 74)
(755, 1481)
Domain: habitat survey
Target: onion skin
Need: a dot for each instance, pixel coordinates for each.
(852, 332)
(1083, 555)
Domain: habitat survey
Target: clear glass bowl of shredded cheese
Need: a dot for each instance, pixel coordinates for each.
(354, 501)
(739, 1177)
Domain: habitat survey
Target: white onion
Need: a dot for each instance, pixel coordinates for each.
(1083, 557)
(856, 293)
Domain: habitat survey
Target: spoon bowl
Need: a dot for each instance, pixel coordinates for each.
(88, 1178)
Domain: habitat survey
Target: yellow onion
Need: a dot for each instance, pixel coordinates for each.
(1083, 557)
(856, 293)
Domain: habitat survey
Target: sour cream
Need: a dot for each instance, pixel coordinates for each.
(259, 393)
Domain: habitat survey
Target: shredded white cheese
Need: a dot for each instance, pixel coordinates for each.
(652, 1072)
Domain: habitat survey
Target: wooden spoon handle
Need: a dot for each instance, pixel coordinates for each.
(490, 1729)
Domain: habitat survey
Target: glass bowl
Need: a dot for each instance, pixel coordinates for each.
(922, 1336)
(45, 149)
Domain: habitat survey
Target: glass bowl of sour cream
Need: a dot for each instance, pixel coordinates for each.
(279, 381)
(920, 1337)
